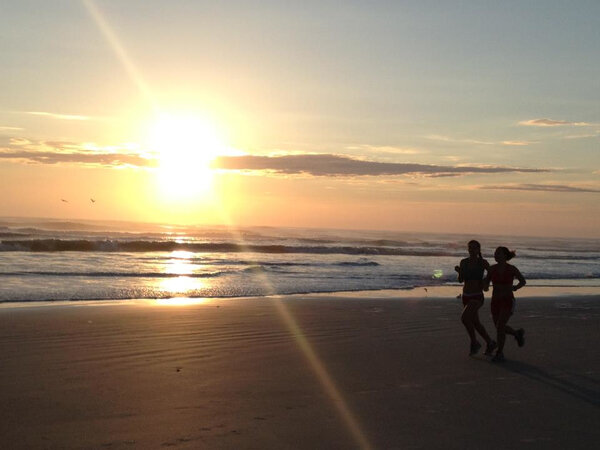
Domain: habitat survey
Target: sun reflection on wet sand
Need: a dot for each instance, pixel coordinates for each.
(180, 301)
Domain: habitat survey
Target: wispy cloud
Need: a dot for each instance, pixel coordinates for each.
(58, 116)
(552, 123)
(3, 128)
(388, 149)
(584, 136)
(336, 165)
(444, 175)
(441, 138)
(542, 188)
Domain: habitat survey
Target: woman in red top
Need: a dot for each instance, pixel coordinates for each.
(502, 276)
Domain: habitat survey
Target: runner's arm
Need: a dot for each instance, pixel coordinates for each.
(521, 279)
(460, 272)
(488, 277)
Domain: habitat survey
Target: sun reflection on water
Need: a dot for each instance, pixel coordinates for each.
(180, 263)
(183, 284)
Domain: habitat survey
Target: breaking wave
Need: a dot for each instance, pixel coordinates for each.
(85, 245)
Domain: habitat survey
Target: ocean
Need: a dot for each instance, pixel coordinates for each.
(55, 260)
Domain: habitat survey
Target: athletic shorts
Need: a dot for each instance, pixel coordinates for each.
(502, 304)
(468, 298)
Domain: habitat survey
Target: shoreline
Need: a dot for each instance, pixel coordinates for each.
(449, 293)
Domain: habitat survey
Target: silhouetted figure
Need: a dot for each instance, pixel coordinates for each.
(470, 272)
(502, 276)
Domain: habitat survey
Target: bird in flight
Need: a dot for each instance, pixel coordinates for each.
(64, 201)
(92, 200)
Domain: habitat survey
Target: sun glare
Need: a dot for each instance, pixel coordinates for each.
(185, 147)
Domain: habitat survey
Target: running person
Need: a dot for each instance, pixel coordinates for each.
(502, 276)
(470, 272)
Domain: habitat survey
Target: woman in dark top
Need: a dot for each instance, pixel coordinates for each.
(470, 272)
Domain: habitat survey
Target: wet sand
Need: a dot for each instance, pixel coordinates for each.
(300, 372)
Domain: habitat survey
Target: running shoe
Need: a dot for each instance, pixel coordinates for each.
(489, 349)
(498, 357)
(474, 348)
(520, 337)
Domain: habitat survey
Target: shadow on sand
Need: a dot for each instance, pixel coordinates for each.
(589, 395)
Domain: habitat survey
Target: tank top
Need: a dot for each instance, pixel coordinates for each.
(472, 272)
(505, 277)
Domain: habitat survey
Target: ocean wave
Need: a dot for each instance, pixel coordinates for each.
(244, 262)
(117, 274)
(141, 246)
(12, 234)
(85, 245)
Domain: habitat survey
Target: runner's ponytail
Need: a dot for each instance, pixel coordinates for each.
(510, 254)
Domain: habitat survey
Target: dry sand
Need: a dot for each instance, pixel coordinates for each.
(297, 372)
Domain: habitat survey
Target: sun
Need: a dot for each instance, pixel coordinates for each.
(185, 146)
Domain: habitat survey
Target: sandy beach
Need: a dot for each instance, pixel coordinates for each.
(293, 372)
(250, 225)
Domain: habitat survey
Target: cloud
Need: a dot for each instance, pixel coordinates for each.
(98, 159)
(551, 123)
(541, 188)
(57, 152)
(3, 128)
(336, 165)
(327, 165)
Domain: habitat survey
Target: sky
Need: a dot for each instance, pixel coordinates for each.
(434, 116)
